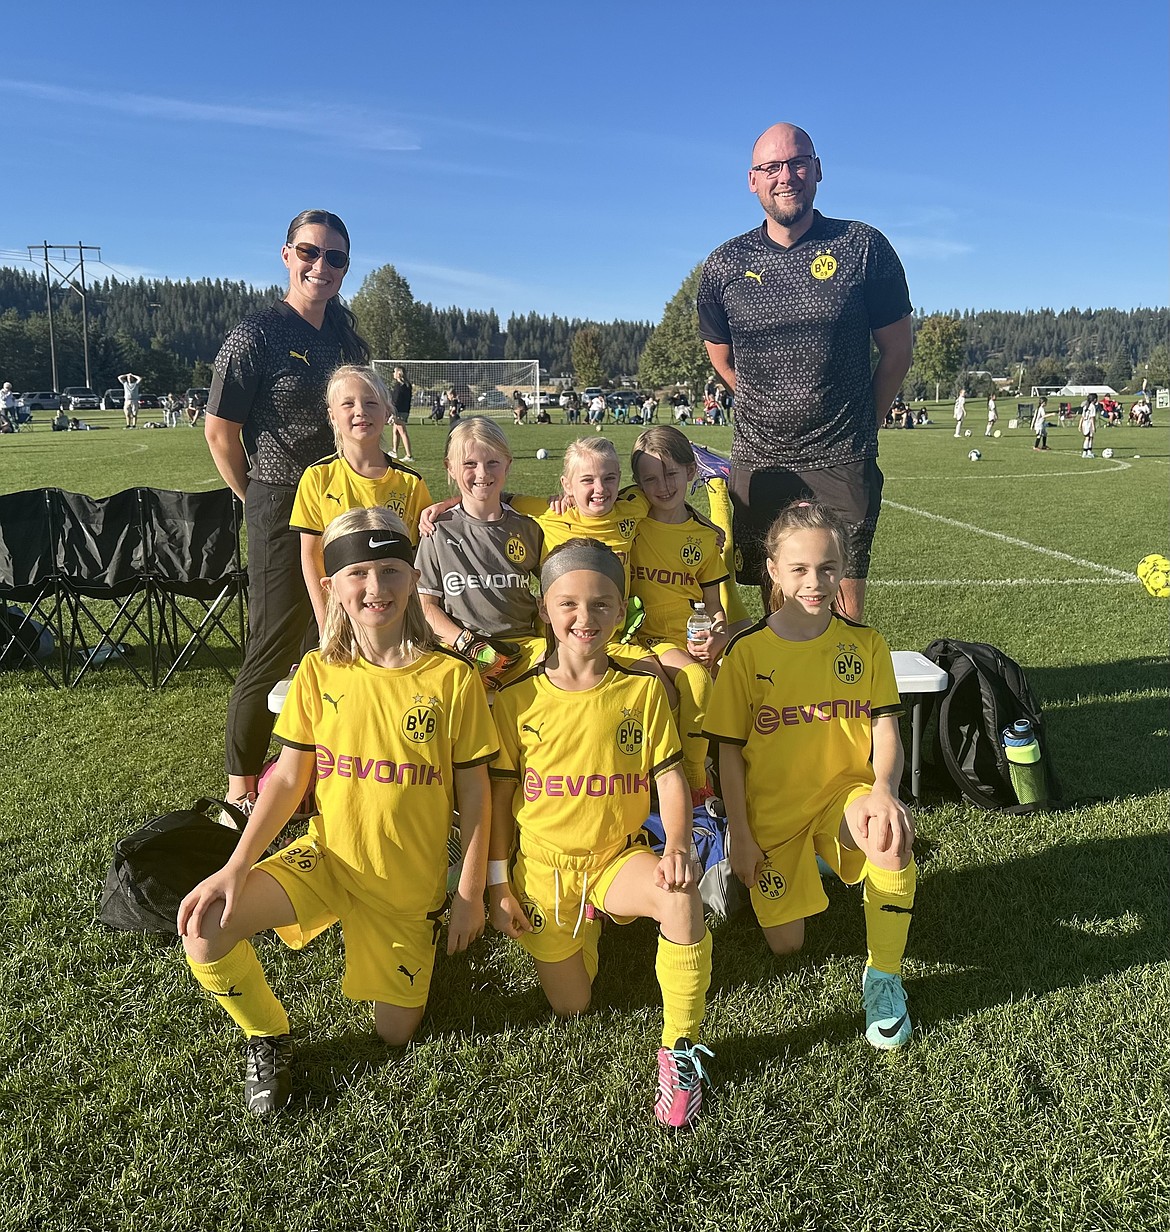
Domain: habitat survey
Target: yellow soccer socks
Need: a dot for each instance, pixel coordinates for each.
(684, 975)
(693, 684)
(237, 982)
(889, 905)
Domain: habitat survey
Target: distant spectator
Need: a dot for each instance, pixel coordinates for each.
(437, 408)
(131, 383)
(60, 421)
(196, 405)
(8, 403)
(573, 409)
(519, 407)
(172, 409)
(597, 410)
(650, 409)
(453, 406)
(992, 415)
(401, 393)
(542, 416)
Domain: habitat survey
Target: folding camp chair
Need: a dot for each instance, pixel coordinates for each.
(104, 566)
(195, 567)
(30, 575)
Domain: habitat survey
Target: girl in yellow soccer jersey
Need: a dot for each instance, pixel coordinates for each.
(394, 728)
(801, 699)
(476, 565)
(675, 562)
(581, 740)
(360, 474)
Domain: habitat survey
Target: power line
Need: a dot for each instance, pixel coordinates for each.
(66, 279)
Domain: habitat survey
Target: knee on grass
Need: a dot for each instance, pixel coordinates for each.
(785, 939)
(396, 1024)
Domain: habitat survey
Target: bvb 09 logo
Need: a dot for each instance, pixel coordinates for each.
(692, 553)
(629, 736)
(824, 266)
(397, 502)
(771, 884)
(304, 858)
(515, 550)
(419, 724)
(848, 667)
(627, 526)
(535, 915)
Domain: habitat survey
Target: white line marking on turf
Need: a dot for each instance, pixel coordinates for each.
(1114, 465)
(1089, 581)
(1108, 570)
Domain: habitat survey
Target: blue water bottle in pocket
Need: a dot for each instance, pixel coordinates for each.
(1024, 762)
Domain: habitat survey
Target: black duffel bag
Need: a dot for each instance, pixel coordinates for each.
(158, 865)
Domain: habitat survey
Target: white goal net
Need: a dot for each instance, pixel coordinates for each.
(483, 386)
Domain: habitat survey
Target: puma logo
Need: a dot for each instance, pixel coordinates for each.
(326, 698)
(752, 274)
(534, 730)
(768, 677)
(298, 355)
(896, 909)
(330, 496)
(231, 992)
(409, 974)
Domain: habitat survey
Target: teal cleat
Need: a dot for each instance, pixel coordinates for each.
(887, 1020)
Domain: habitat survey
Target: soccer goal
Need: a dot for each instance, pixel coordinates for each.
(483, 386)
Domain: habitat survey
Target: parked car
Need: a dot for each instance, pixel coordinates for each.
(45, 400)
(587, 395)
(493, 400)
(199, 394)
(79, 398)
(149, 402)
(113, 399)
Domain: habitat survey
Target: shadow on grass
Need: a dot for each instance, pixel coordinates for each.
(1062, 918)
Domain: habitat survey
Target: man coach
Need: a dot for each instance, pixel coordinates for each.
(787, 312)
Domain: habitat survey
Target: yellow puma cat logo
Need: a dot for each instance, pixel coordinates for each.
(752, 274)
(298, 355)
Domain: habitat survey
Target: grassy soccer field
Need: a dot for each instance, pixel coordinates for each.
(1034, 1092)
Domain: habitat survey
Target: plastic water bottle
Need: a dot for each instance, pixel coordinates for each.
(698, 625)
(1024, 762)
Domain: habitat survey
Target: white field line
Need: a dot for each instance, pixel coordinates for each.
(966, 582)
(1112, 467)
(1108, 570)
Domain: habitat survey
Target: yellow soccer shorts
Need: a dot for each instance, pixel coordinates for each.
(388, 957)
(789, 885)
(561, 894)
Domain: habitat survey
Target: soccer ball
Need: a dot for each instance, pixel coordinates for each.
(996, 433)
(968, 432)
(974, 455)
(541, 455)
(1106, 453)
(1154, 572)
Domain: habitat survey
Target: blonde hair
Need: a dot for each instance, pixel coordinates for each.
(803, 515)
(665, 443)
(364, 376)
(475, 430)
(599, 447)
(340, 641)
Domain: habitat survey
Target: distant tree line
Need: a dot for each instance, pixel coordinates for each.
(171, 331)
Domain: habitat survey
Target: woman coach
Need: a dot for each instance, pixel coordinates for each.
(266, 422)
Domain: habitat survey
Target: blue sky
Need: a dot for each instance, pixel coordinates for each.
(581, 158)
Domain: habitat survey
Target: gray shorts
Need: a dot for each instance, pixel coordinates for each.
(854, 490)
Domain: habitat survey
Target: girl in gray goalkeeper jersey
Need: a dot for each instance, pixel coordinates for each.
(477, 565)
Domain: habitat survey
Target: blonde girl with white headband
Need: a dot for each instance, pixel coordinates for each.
(395, 727)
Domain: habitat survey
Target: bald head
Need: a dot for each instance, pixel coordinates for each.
(787, 135)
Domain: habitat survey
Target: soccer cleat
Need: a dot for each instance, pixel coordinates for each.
(246, 803)
(680, 1084)
(887, 1020)
(267, 1077)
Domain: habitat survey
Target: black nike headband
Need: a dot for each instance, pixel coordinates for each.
(362, 545)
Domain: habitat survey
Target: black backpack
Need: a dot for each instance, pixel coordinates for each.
(987, 693)
(157, 866)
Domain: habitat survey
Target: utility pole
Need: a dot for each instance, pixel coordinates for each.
(66, 279)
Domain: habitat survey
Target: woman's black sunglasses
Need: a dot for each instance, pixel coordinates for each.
(309, 253)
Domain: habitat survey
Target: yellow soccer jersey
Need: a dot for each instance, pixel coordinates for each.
(615, 530)
(670, 564)
(331, 486)
(802, 713)
(583, 762)
(387, 742)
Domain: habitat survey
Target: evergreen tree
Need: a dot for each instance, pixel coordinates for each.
(940, 344)
(587, 369)
(390, 320)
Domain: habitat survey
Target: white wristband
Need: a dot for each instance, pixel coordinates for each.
(497, 872)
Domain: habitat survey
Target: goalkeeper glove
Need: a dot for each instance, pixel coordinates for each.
(635, 619)
(492, 658)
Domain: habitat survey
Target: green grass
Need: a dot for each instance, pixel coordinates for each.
(1033, 1096)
